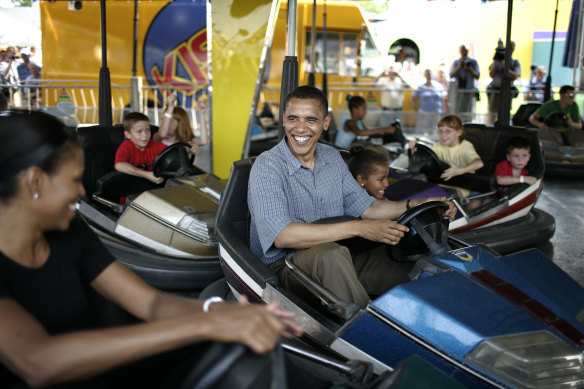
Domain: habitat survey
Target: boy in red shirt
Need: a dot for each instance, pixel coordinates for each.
(512, 170)
(137, 153)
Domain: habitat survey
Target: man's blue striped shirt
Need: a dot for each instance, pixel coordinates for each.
(281, 191)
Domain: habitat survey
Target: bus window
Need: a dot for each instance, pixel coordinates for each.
(349, 56)
(333, 53)
(371, 60)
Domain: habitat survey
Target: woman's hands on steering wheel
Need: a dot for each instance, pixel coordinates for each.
(257, 326)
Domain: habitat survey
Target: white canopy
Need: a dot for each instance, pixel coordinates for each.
(21, 26)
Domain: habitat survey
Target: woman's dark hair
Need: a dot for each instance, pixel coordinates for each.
(30, 138)
(363, 159)
(355, 102)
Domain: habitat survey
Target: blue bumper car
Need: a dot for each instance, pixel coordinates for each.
(483, 319)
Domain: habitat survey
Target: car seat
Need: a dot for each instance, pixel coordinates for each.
(99, 143)
(232, 227)
(521, 117)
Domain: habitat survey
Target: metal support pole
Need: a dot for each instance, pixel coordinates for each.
(503, 116)
(136, 82)
(547, 94)
(290, 66)
(311, 80)
(576, 74)
(324, 43)
(291, 38)
(105, 92)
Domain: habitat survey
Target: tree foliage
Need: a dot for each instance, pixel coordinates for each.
(374, 6)
(22, 3)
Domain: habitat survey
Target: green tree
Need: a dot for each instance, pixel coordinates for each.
(378, 6)
(22, 3)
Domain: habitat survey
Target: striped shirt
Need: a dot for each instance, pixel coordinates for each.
(282, 191)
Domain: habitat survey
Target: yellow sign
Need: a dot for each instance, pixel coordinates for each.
(463, 255)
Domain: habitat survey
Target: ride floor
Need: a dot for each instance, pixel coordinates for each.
(563, 199)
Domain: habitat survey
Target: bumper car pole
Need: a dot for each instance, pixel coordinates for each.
(105, 92)
(290, 66)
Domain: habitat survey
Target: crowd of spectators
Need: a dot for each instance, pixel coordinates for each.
(453, 87)
(20, 71)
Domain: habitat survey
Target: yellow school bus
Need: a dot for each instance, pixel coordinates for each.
(171, 49)
(171, 53)
(353, 59)
(171, 46)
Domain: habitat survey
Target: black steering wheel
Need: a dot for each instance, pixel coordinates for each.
(428, 233)
(218, 364)
(173, 161)
(557, 120)
(424, 160)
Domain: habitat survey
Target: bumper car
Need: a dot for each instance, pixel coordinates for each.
(506, 222)
(562, 145)
(164, 233)
(485, 320)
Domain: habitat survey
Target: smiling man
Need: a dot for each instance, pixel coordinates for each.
(300, 181)
(566, 105)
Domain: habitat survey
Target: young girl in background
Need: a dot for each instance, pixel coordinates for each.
(349, 129)
(175, 126)
(457, 152)
(454, 150)
(370, 167)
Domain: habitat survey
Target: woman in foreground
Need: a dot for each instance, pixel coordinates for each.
(50, 260)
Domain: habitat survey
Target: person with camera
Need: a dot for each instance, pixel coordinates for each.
(465, 70)
(392, 94)
(8, 76)
(496, 71)
(22, 68)
(565, 105)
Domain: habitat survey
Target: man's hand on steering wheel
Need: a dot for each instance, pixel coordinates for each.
(449, 214)
(571, 123)
(381, 230)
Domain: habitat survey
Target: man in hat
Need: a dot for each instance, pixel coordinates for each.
(22, 68)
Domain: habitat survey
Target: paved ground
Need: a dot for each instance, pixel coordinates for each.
(564, 199)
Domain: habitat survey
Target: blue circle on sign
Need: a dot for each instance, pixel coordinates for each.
(174, 25)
